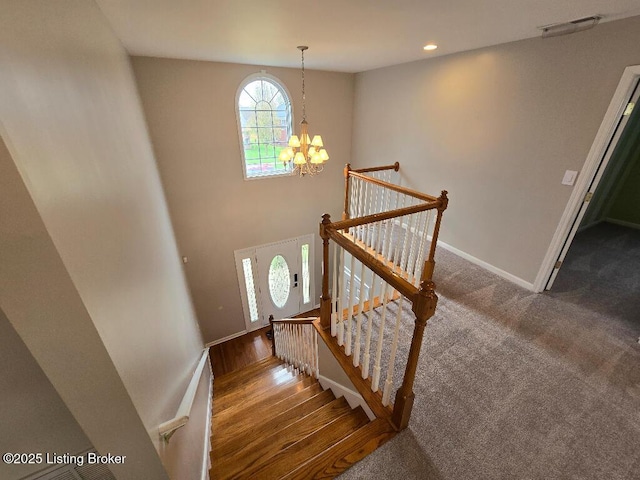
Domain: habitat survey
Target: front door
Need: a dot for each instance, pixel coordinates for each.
(276, 279)
(279, 279)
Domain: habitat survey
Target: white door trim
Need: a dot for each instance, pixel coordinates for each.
(589, 170)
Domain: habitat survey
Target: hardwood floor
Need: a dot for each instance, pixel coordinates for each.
(239, 352)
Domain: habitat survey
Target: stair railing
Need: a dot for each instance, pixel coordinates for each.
(295, 342)
(379, 258)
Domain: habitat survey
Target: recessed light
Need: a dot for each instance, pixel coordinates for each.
(431, 46)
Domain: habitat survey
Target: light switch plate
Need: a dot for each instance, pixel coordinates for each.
(569, 177)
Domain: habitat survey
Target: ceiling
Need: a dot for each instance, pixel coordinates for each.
(342, 35)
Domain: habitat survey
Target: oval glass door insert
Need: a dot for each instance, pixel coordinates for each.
(279, 281)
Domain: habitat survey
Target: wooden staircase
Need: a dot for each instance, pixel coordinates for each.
(269, 423)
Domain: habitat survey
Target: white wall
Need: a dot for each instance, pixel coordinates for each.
(496, 127)
(190, 110)
(76, 136)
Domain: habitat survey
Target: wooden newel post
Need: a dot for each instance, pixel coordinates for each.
(325, 299)
(345, 212)
(273, 337)
(424, 306)
(430, 263)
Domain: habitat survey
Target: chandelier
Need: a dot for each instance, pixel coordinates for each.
(308, 155)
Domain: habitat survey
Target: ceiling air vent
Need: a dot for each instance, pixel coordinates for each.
(557, 29)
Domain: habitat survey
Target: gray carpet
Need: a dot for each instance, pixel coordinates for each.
(517, 385)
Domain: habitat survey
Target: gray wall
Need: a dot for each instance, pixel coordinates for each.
(190, 110)
(90, 274)
(32, 414)
(496, 127)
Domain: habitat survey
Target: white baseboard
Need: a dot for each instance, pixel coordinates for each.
(622, 223)
(487, 266)
(353, 399)
(225, 339)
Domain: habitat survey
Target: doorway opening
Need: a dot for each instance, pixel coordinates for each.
(611, 158)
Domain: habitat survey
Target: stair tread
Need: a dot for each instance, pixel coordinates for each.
(260, 450)
(258, 407)
(268, 380)
(239, 376)
(310, 446)
(301, 403)
(345, 453)
(223, 388)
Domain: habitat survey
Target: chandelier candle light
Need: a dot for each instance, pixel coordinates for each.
(308, 155)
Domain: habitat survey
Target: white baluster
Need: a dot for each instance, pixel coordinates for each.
(361, 209)
(391, 254)
(367, 342)
(295, 354)
(415, 247)
(316, 362)
(392, 357)
(412, 247)
(296, 347)
(289, 356)
(405, 248)
(356, 355)
(309, 331)
(292, 349)
(355, 188)
(285, 337)
(309, 355)
(299, 352)
(334, 291)
(376, 368)
(352, 289)
(423, 249)
(341, 287)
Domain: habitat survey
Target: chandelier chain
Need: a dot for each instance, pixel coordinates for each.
(305, 155)
(304, 109)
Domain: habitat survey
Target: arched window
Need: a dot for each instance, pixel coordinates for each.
(264, 122)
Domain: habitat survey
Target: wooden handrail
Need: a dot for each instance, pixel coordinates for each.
(395, 166)
(395, 188)
(168, 428)
(378, 217)
(295, 321)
